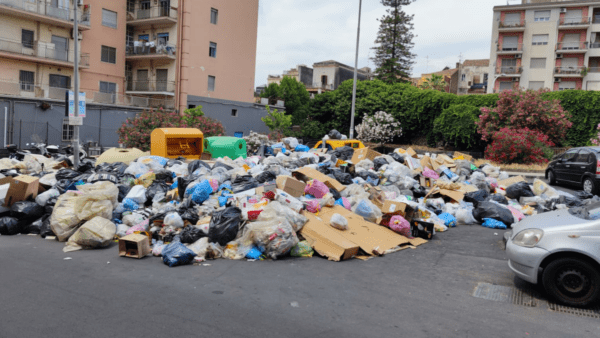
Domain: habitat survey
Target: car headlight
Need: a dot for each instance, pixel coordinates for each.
(528, 238)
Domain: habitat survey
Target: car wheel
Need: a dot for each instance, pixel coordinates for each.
(589, 186)
(551, 178)
(572, 282)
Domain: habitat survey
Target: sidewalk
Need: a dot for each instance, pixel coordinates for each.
(529, 176)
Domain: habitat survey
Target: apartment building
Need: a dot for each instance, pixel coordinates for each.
(134, 54)
(546, 44)
(473, 76)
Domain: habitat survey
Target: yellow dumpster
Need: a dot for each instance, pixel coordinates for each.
(175, 142)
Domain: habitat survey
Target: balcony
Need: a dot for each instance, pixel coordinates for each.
(41, 52)
(129, 100)
(155, 15)
(150, 50)
(509, 49)
(570, 71)
(572, 47)
(511, 26)
(574, 23)
(151, 87)
(42, 11)
(509, 71)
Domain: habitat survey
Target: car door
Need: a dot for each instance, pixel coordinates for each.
(581, 164)
(563, 166)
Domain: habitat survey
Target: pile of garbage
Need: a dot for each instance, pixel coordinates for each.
(293, 201)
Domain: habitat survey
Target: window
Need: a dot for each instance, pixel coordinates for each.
(60, 81)
(463, 77)
(538, 63)
(163, 39)
(214, 15)
(541, 16)
(510, 43)
(536, 85)
(571, 154)
(131, 6)
(191, 106)
(512, 19)
(539, 39)
(212, 50)
(506, 85)
(234, 112)
(573, 16)
(564, 85)
(109, 54)
(145, 5)
(109, 18)
(485, 78)
(324, 80)
(211, 83)
(108, 87)
(67, 130)
(583, 156)
(27, 38)
(509, 66)
(26, 80)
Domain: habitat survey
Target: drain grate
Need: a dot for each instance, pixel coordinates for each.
(504, 294)
(590, 313)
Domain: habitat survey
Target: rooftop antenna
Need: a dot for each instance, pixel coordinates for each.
(461, 58)
(427, 64)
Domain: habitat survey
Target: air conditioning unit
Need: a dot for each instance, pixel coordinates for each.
(518, 56)
(79, 36)
(559, 56)
(515, 79)
(557, 79)
(563, 10)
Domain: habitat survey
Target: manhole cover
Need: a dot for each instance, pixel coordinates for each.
(505, 294)
(590, 313)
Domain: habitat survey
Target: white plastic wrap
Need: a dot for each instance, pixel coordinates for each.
(339, 222)
(173, 219)
(137, 194)
(44, 197)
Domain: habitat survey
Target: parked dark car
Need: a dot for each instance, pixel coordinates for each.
(577, 166)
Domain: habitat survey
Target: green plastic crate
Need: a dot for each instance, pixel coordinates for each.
(221, 146)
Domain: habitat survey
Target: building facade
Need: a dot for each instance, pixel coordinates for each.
(450, 77)
(546, 44)
(473, 76)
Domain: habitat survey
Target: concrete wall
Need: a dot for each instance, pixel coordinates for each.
(305, 75)
(248, 114)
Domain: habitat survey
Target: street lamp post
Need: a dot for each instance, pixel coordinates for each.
(355, 74)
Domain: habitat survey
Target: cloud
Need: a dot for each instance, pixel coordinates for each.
(292, 32)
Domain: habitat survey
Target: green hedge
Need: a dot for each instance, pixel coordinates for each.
(584, 107)
(456, 125)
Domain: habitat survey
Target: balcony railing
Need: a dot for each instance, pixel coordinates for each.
(44, 51)
(509, 70)
(575, 21)
(510, 48)
(153, 12)
(322, 85)
(42, 7)
(569, 70)
(511, 24)
(151, 86)
(582, 45)
(149, 48)
(595, 45)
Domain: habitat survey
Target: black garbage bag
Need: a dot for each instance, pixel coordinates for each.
(324, 170)
(46, 230)
(335, 135)
(379, 162)
(63, 185)
(518, 190)
(100, 176)
(365, 174)
(26, 210)
(224, 225)
(494, 211)
(476, 197)
(9, 226)
(219, 164)
(266, 176)
(155, 188)
(34, 227)
(66, 174)
(343, 178)
(189, 215)
(343, 153)
(397, 157)
(194, 165)
(582, 195)
(191, 234)
(243, 183)
(49, 208)
(336, 194)
(497, 198)
(85, 166)
(123, 191)
(164, 175)
(419, 192)
(182, 183)
(570, 202)
(118, 168)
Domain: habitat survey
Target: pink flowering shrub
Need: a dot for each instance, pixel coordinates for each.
(523, 146)
(135, 132)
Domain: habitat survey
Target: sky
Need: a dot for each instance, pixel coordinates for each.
(293, 32)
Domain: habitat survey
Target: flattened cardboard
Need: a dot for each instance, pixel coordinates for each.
(267, 187)
(426, 162)
(412, 152)
(22, 188)
(134, 246)
(454, 195)
(371, 238)
(327, 241)
(510, 181)
(364, 153)
(307, 174)
(466, 157)
(391, 208)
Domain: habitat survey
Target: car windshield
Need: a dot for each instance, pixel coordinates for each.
(591, 212)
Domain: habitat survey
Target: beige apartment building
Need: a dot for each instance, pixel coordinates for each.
(132, 52)
(546, 44)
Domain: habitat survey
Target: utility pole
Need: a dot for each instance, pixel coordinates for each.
(351, 135)
(76, 89)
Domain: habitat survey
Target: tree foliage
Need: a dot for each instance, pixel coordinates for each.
(434, 82)
(190, 114)
(393, 56)
(277, 121)
(456, 125)
(295, 96)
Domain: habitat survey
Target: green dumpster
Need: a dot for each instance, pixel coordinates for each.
(221, 146)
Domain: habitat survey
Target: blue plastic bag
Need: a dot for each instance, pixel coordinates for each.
(493, 224)
(449, 173)
(254, 253)
(130, 205)
(372, 181)
(302, 148)
(163, 161)
(201, 192)
(449, 220)
(222, 201)
(176, 254)
(174, 185)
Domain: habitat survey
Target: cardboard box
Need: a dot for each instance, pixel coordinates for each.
(340, 245)
(206, 156)
(134, 246)
(510, 181)
(267, 187)
(21, 188)
(412, 163)
(291, 185)
(364, 153)
(467, 157)
(412, 153)
(391, 208)
(307, 174)
(456, 196)
(426, 182)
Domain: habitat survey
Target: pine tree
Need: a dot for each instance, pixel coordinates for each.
(393, 56)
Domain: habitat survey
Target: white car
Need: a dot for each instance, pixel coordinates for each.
(561, 250)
